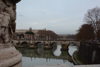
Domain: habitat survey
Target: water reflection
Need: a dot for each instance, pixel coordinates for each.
(72, 48)
(40, 57)
(43, 54)
(57, 52)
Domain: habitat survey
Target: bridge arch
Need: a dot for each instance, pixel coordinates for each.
(24, 43)
(73, 43)
(36, 44)
(51, 45)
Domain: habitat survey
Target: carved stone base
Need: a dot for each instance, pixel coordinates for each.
(9, 56)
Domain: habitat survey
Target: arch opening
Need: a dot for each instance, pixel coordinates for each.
(24, 43)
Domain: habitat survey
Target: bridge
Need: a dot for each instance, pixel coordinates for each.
(49, 43)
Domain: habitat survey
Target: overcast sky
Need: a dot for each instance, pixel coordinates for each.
(60, 16)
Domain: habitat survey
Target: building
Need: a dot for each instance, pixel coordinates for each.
(38, 34)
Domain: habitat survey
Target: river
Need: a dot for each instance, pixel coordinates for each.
(41, 57)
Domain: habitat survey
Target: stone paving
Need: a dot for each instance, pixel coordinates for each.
(87, 65)
(53, 65)
(65, 65)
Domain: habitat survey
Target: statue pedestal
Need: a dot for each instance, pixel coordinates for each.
(9, 56)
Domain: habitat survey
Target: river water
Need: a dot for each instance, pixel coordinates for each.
(41, 57)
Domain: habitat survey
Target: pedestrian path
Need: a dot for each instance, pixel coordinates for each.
(52, 65)
(65, 65)
(87, 65)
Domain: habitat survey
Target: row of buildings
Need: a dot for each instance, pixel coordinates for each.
(34, 34)
(40, 35)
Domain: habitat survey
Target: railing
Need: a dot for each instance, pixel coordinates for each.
(89, 52)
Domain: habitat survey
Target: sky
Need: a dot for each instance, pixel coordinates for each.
(60, 16)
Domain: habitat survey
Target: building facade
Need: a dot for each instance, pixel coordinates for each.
(38, 34)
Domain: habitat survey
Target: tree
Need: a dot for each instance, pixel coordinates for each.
(29, 32)
(86, 32)
(93, 17)
(42, 34)
(51, 34)
(47, 34)
(72, 36)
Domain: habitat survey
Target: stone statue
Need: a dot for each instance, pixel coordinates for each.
(7, 20)
(9, 56)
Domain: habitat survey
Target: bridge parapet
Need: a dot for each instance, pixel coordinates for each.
(49, 43)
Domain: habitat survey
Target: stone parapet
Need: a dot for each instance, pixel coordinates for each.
(52, 65)
(64, 65)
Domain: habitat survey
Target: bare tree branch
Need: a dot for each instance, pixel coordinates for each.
(93, 17)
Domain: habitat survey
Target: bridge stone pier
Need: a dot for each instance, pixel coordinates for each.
(48, 44)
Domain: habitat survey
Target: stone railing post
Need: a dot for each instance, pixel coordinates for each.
(9, 56)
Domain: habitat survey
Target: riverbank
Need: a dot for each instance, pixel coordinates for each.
(76, 59)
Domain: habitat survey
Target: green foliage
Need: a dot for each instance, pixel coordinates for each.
(29, 32)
